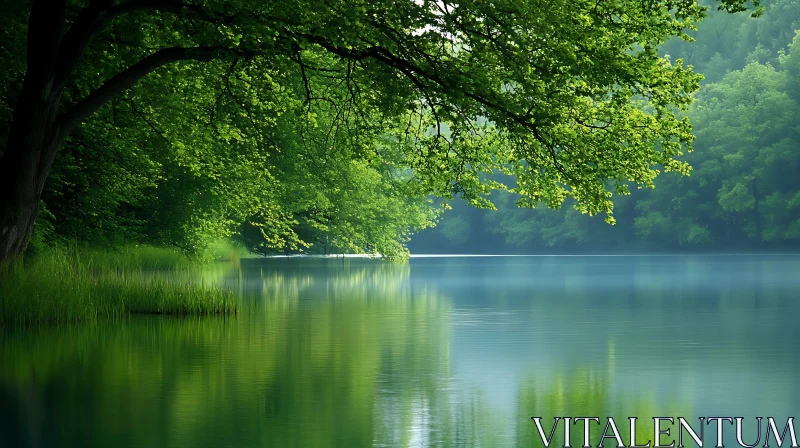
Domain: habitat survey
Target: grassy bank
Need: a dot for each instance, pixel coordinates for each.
(62, 285)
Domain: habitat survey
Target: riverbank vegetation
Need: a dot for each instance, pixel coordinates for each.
(67, 284)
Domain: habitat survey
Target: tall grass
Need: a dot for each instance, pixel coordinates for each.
(130, 258)
(70, 284)
(226, 250)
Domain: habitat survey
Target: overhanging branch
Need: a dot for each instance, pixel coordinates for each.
(98, 14)
(127, 78)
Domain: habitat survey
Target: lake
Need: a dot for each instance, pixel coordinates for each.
(442, 351)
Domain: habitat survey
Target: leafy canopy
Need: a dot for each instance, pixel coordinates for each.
(743, 192)
(311, 117)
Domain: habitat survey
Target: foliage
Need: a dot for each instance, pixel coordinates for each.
(301, 127)
(743, 191)
(68, 285)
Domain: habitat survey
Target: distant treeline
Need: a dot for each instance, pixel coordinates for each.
(744, 189)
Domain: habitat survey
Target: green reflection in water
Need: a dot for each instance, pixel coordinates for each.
(283, 373)
(327, 353)
(587, 392)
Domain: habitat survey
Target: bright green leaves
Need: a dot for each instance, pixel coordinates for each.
(742, 192)
(329, 124)
(741, 6)
(557, 81)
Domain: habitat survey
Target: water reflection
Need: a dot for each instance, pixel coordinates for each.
(441, 352)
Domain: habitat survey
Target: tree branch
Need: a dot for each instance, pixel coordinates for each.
(415, 73)
(127, 78)
(97, 15)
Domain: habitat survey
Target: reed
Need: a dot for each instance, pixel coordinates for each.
(70, 284)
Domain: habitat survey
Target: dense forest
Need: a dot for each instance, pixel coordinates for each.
(348, 126)
(743, 192)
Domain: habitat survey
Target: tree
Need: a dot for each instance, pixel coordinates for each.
(742, 193)
(572, 94)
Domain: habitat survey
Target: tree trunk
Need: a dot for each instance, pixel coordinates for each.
(29, 152)
(33, 137)
(17, 205)
(36, 132)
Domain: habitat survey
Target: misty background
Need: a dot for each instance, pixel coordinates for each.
(743, 193)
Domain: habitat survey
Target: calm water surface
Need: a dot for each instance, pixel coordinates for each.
(439, 352)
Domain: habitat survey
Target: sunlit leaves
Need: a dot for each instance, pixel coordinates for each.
(331, 123)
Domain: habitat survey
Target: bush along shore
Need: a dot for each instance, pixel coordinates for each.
(71, 284)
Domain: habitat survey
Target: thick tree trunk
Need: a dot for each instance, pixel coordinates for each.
(17, 211)
(36, 132)
(30, 149)
(34, 137)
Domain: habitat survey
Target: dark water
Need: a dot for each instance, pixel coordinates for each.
(440, 352)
